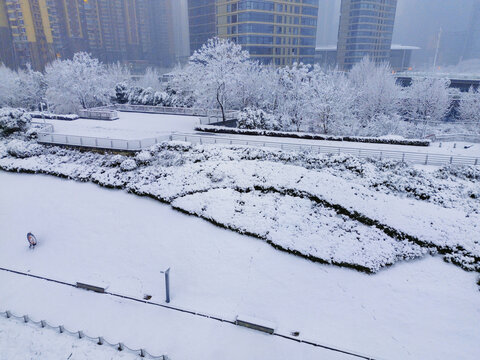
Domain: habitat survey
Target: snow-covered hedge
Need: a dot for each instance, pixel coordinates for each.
(13, 120)
(338, 209)
(311, 136)
(45, 115)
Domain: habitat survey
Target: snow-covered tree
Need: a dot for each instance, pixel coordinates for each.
(376, 94)
(9, 88)
(257, 119)
(77, 83)
(469, 109)
(294, 91)
(33, 89)
(214, 73)
(427, 100)
(151, 79)
(331, 102)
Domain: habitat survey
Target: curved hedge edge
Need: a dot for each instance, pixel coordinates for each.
(309, 136)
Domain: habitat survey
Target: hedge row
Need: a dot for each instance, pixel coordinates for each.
(310, 136)
(40, 115)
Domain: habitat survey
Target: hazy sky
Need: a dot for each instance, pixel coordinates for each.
(418, 21)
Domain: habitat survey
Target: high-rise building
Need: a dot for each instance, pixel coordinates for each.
(30, 30)
(202, 22)
(7, 55)
(472, 46)
(139, 32)
(276, 31)
(366, 29)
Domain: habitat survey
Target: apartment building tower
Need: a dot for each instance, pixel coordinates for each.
(366, 29)
(279, 32)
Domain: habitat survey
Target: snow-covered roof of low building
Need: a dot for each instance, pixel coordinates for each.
(404, 47)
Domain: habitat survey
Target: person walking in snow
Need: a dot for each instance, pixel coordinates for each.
(32, 240)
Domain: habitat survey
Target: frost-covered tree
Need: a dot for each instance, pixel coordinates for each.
(151, 79)
(376, 94)
(427, 100)
(294, 91)
(33, 88)
(9, 87)
(78, 83)
(331, 102)
(469, 108)
(214, 73)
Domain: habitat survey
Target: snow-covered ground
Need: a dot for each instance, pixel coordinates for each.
(423, 309)
(136, 126)
(447, 148)
(130, 126)
(20, 341)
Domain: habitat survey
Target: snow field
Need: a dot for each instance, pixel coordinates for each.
(20, 341)
(300, 225)
(174, 170)
(130, 126)
(422, 309)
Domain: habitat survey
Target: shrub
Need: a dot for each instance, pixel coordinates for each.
(22, 149)
(13, 120)
(257, 119)
(128, 165)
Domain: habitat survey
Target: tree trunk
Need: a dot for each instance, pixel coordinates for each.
(220, 103)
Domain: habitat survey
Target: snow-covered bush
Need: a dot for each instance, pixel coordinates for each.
(144, 157)
(9, 87)
(23, 149)
(257, 119)
(13, 120)
(128, 165)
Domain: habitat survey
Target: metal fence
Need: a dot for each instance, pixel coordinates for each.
(229, 114)
(99, 340)
(137, 145)
(99, 114)
(457, 137)
(98, 142)
(412, 157)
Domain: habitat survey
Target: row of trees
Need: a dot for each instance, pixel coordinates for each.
(364, 101)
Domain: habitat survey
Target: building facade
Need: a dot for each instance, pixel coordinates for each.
(366, 29)
(137, 32)
(30, 33)
(279, 32)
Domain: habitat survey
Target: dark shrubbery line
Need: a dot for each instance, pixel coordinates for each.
(39, 115)
(310, 136)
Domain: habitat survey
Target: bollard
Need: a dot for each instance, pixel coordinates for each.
(120, 347)
(25, 318)
(61, 329)
(43, 323)
(142, 353)
(167, 285)
(9, 314)
(80, 334)
(100, 341)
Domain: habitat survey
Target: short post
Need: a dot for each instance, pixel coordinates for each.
(8, 313)
(120, 347)
(167, 285)
(426, 160)
(142, 353)
(100, 341)
(61, 329)
(25, 318)
(43, 323)
(80, 334)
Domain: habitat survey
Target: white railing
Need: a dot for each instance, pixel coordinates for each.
(412, 157)
(457, 137)
(99, 114)
(229, 114)
(137, 145)
(98, 142)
